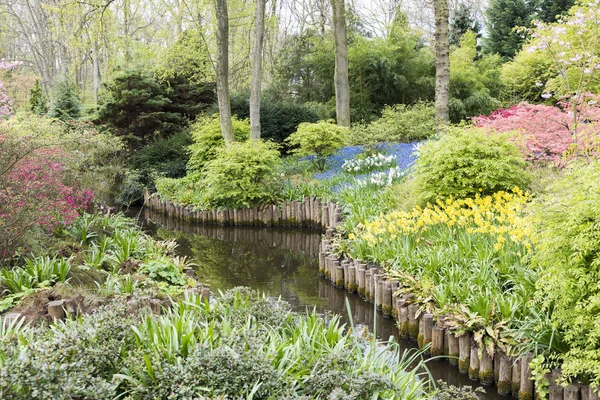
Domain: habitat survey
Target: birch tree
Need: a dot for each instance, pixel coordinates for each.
(257, 56)
(442, 63)
(222, 71)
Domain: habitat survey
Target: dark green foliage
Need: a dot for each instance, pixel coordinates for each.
(467, 162)
(503, 17)
(65, 102)
(278, 118)
(37, 101)
(462, 21)
(140, 108)
(165, 157)
(395, 70)
(548, 10)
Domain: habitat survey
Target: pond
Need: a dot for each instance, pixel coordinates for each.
(280, 262)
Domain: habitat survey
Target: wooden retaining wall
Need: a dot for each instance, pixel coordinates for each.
(309, 213)
(509, 373)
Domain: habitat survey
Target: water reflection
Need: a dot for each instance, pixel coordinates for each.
(280, 262)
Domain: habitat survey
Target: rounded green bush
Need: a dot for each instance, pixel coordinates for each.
(242, 174)
(465, 162)
(318, 140)
(206, 133)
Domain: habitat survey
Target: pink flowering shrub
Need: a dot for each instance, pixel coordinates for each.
(33, 193)
(5, 103)
(548, 133)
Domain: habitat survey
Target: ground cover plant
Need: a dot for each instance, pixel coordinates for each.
(242, 345)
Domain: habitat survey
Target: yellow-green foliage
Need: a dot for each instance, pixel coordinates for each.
(568, 221)
(318, 140)
(526, 75)
(466, 162)
(242, 174)
(206, 133)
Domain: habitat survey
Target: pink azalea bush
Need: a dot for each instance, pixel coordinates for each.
(5, 103)
(549, 133)
(33, 193)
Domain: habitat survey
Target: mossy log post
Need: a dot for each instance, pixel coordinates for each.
(486, 369)
(421, 335)
(474, 364)
(526, 389)
(516, 377)
(360, 277)
(464, 359)
(571, 392)
(368, 279)
(453, 348)
(378, 290)
(386, 302)
(345, 265)
(352, 286)
(339, 275)
(498, 354)
(589, 393)
(427, 331)
(413, 322)
(57, 309)
(437, 341)
(556, 393)
(403, 322)
(505, 375)
(308, 213)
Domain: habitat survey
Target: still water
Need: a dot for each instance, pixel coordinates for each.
(280, 262)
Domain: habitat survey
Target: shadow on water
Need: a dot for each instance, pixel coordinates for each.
(280, 262)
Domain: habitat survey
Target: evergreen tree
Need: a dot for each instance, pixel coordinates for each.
(65, 103)
(462, 21)
(140, 108)
(37, 101)
(548, 10)
(503, 17)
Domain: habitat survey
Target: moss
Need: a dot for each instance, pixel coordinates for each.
(404, 330)
(367, 295)
(504, 387)
(352, 287)
(446, 350)
(525, 395)
(463, 366)
(515, 386)
(394, 313)
(387, 310)
(413, 330)
(361, 291)
(436, 352)
(474, 374)
(420, 340)
(339, 283)
(486, 377)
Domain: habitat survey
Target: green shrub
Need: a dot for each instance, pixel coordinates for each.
(65, 103)
(242, 174)
(278, 118)
(318, 141)
(207, 136)
(166, 157)
(567, 220)
(140, 108)
(37, 100)
(466, 162)
(400, 123)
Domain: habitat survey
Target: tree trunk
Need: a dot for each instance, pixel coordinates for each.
(222, 71)
(342, 87)
(442, 64)
(95, 72)
(257, 56)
